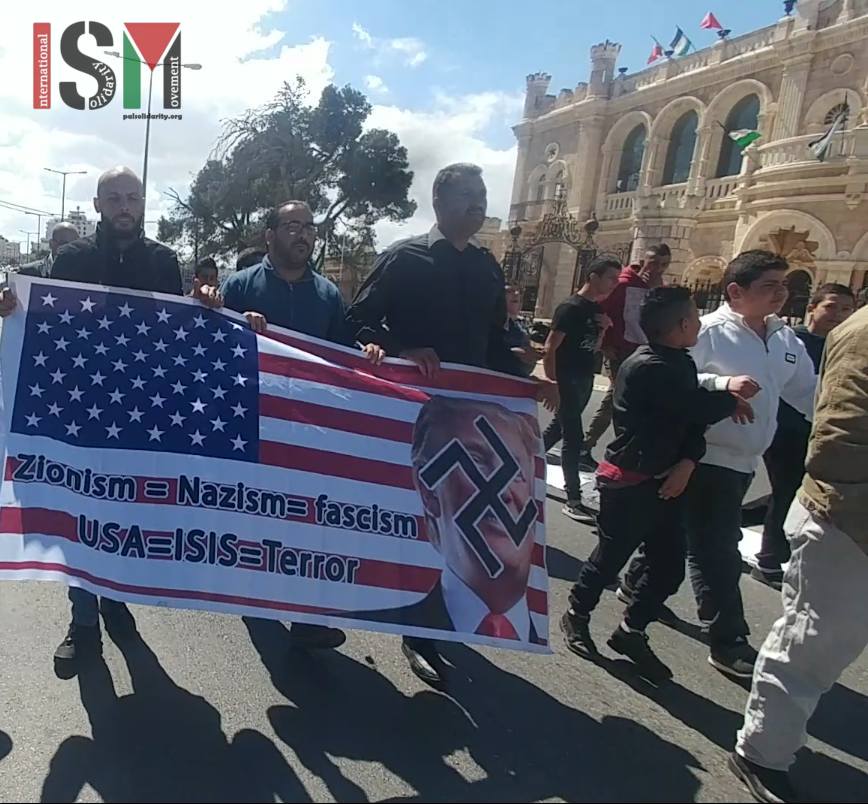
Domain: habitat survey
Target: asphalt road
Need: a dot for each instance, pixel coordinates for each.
(203, 707)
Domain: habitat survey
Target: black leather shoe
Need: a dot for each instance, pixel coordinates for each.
(80, 641)
(424, 660)
(577, 635)
(634, 646)
(316, 637)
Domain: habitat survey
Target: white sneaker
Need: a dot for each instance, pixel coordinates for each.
(576, 511)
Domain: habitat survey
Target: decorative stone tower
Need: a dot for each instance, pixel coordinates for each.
(604, 58)
(537, 85)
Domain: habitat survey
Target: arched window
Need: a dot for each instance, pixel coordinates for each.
(560, 184)
(744, 115)
(834, 112)
(681, 145)
(540, 188)
(631, 161)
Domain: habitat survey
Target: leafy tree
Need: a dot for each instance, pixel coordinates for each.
(287, 149)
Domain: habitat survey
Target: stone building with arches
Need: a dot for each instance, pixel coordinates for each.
(648, 153)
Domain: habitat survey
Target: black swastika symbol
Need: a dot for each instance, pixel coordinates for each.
(487, 496)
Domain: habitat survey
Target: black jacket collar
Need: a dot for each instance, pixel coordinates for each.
(104, 241)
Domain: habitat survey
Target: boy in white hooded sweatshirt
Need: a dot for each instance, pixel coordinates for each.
(745, 348)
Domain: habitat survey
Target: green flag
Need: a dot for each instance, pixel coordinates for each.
(744, 137)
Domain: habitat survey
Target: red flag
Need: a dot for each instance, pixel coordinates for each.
(709, 21)
(656, 52)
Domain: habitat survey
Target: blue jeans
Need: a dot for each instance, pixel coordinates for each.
(85, 606)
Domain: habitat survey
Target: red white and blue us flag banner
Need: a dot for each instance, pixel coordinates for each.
(159, 452)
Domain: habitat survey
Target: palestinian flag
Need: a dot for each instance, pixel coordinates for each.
(680, 44)
(743, 137)
(820, 148)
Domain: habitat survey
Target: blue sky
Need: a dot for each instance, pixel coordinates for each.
(474, 47)
(447, 77)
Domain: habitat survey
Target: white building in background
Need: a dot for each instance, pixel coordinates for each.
(77, 218)
(648, 153)
(10, 252)
(489, 236)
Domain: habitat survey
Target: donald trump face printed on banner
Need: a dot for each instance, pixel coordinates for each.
(473, 465)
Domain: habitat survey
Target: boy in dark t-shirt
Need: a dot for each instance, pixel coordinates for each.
(576, 333)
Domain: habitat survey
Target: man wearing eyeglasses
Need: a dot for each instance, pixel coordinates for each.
(283, 289)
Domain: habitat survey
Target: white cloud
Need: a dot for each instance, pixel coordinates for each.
(374, 83)
(243, 65)
(362, 35)
(460, 123)
(411, 49)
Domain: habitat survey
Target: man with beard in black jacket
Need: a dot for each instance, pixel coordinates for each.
(117, 254)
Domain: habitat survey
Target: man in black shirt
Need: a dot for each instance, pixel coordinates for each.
(118, 253)
(577, 331)
(660, 415)
(440, 297)
(785, 458)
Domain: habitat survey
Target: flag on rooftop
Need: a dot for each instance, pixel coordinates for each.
(710, 22)
(680, 44)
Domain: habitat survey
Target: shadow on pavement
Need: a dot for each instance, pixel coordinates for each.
(528, 745)
(688, 629)
(562, 565)
(539, 748)
(162, 743)
(840, 720)
(5, 745)
(346, 709)
(818, 775)
(823, 778)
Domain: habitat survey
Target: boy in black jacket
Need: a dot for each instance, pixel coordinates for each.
(660, 417)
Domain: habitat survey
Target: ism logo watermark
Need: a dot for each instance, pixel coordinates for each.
(145, 44)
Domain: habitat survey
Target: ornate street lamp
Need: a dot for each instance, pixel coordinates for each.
(512, 258)
(523, 261)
